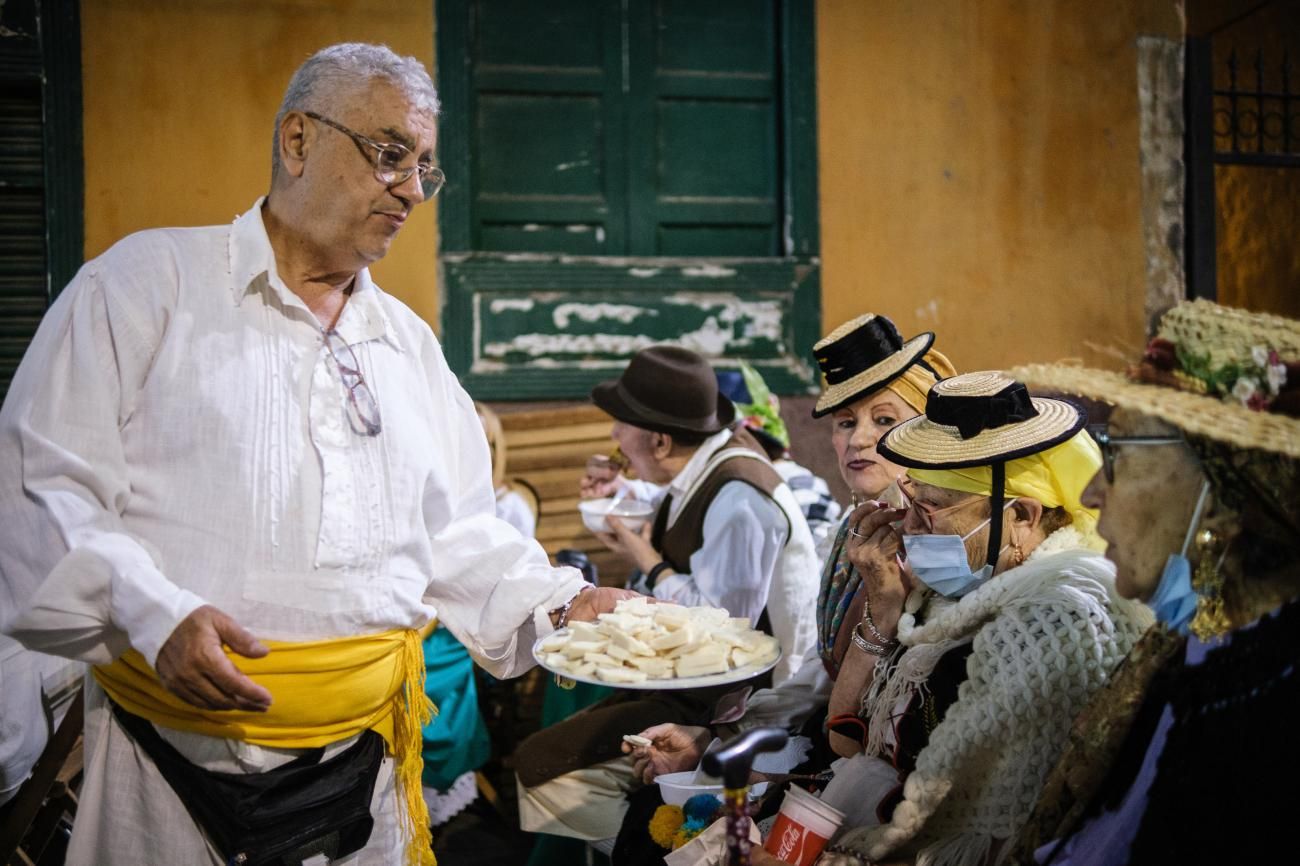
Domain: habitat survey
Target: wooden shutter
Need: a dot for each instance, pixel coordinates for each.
(40, 166)
(547, 133)
(641, 128)
(703, 166)
(621, 173)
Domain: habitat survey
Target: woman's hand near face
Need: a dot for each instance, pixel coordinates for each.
(874, 547)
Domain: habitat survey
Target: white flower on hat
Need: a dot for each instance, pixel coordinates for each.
(1259, 355)
(1245, 388)
(1276, 377)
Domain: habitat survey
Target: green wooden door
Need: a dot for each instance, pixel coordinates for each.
(619, 175)
(704, 173)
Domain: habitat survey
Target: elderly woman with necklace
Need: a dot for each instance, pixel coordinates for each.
(974, 655)
(1172, 762)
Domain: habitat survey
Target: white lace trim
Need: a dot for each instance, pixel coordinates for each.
(445, 805)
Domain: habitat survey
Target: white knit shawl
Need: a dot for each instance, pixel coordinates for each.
(1045, 635)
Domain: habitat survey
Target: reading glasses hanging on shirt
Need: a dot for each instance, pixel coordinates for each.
(362, 408)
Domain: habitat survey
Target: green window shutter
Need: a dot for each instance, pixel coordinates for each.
(621, 173)
(704, 159)
(548, 126)
(602, 128)
(23, 292)
(41, 187)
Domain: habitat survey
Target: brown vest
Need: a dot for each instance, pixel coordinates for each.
(677, 543)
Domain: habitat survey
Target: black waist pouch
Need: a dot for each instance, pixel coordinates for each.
(280, 817)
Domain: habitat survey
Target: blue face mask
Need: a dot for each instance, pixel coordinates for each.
(941, 563)
(1174, 601)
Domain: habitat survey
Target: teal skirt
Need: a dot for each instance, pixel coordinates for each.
(456, 741)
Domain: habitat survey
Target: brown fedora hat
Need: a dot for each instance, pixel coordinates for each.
(666, 389)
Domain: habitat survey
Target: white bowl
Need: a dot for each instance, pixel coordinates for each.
(677, 788)
(634, 514)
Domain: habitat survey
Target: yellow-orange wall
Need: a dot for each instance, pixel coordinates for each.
(979, 172)
(180, 98)
(978, 158)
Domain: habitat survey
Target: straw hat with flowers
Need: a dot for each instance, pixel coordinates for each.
(1214, 372)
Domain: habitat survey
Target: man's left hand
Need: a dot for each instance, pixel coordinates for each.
(630, 543)
(593, 602)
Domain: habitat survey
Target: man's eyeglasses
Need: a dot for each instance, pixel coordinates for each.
(389, 158)
(363, 409)
(1109, 445)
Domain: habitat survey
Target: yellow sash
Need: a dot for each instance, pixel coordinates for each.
(321, 692)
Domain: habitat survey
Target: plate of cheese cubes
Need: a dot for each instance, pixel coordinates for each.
(648, 645)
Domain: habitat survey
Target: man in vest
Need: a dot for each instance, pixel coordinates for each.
(727, 533)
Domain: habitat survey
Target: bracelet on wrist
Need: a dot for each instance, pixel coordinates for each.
(652, 576)
(881, 649)
(871, 623)
(563, 610)
(871, 627)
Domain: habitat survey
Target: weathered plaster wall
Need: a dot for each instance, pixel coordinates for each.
(1164, 187)
(180, 97)
(979, 172)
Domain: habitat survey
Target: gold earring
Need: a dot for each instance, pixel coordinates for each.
(1017, 554)
(1210, 620)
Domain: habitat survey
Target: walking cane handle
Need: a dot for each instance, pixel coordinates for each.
(735, 758)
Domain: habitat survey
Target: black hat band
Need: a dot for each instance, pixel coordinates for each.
(972, 415)
(867, 346)
(655, 416)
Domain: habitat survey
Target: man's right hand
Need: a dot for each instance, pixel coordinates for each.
(602, 479)
(674, 748)
(194, 667)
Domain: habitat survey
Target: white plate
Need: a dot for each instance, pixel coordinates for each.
(735, 675)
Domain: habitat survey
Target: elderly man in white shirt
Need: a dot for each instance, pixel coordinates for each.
(727, 533)
(237, 477)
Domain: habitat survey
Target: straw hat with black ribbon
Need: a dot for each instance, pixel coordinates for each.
(986, 420)
(864, 355)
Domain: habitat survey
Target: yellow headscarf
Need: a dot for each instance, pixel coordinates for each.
(1055, 477)
(914, 384)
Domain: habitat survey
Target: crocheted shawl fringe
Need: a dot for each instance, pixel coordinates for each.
(952, 624)
(959, 850)
(1063, 573)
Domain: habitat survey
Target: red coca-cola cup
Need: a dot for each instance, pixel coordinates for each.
(802, 828)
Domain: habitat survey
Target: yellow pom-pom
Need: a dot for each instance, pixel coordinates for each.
(664, 825)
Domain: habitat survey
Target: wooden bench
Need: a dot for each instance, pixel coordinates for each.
(548, 449)
(49, 796)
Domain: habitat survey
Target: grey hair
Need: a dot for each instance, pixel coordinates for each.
(333, 74)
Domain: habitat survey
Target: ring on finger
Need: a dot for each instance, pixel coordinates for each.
(854, 532)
